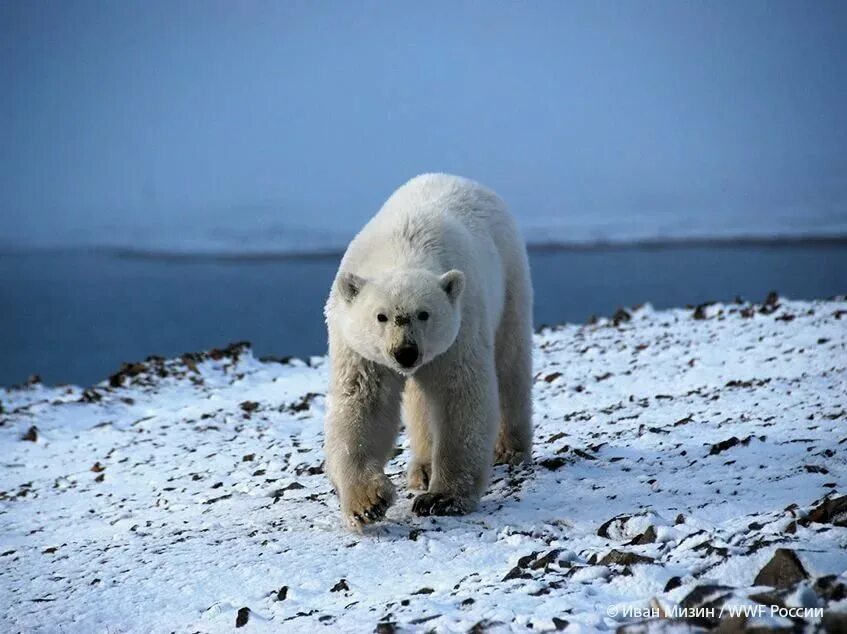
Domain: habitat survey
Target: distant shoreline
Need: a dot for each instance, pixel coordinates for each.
(647, 244)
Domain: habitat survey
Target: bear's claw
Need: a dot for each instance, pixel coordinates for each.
(367, 502)
(436, 504)
(373, 514)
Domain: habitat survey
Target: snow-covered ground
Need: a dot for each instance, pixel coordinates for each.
(677, 454)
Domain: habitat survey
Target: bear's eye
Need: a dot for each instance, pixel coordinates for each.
(423, 315)
(382, 317)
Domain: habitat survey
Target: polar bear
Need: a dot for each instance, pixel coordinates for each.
(432, 308)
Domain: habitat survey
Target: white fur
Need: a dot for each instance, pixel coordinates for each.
(446, 246)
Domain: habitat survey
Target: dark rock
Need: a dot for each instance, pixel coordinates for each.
(249, 406)
(232, 351)
(813, 468)
(782, 571)
(31, 434)
(242, 617)
(340, 586)
(524, 561)
(673, 583)
(514, 573)
(623, 558)
(552, 377)
(559, 624)
(386, 627)
(190, 362)
(282, 593)
(269, 358)
(424, 591)
(710, 549)
(771, 304)
(278, 493)
(128, 370)
(621, 316)
(708, 597)
(829, 588)
(647, 537)
(701, 595)
(741, 625)
(304, 403)
(834, 622)
(218, 499)
(770, 598)
(829, 511)
(91, 396)
(553, 463)
(728, 444)
(583, 454)
(617, 522)
(546, 560)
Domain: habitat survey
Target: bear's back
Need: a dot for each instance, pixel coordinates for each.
(435, 221)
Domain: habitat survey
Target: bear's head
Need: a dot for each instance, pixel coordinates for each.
(402, 319)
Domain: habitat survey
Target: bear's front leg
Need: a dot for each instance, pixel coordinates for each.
(362, 422)
(464, 408)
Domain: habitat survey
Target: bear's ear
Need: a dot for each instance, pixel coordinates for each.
(349, 284)
(453, 283)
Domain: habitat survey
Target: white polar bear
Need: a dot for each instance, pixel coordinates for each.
(432, 304)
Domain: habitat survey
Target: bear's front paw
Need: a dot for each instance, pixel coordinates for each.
(367, 501)
(438, 504)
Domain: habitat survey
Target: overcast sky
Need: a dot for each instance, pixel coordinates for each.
(140, 111)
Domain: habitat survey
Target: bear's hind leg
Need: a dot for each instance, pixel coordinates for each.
(420, 436)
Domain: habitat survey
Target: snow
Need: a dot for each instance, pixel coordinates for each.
(193, 488)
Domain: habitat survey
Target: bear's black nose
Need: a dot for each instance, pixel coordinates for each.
(406, 355)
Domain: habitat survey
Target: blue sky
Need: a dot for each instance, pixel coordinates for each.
(143, 113)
